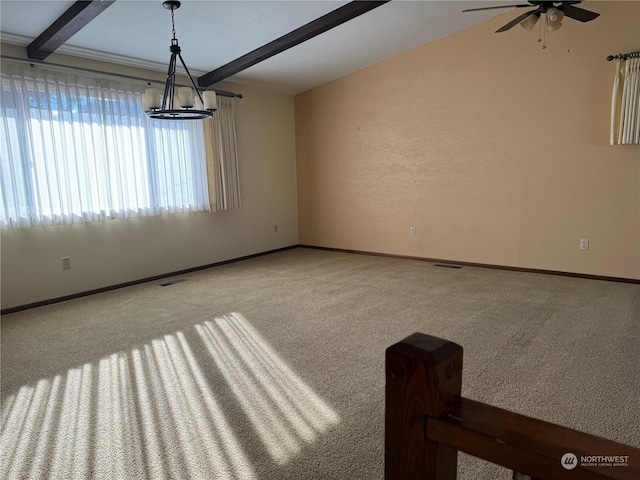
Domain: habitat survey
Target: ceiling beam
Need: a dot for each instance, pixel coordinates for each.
(66, 26)
(332, 19)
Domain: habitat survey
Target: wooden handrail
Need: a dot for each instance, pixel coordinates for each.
(427, 422)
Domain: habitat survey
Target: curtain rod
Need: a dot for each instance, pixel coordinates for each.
(222, 93)
(623, 56)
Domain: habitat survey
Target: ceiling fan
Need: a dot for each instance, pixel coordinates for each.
(554, 12)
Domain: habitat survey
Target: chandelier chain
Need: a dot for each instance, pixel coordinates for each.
(173, 25)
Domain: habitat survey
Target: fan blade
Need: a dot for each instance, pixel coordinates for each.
(515, 21)
(500, 6)
(578, 13)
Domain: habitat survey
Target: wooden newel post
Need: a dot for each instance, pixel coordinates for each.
(423, 379)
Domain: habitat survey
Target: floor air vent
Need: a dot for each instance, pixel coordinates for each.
(173, 282)
(444, 265)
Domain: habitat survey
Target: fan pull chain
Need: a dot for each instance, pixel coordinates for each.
(542, 33)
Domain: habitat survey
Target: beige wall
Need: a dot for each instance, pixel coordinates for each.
(118, 251)
(493, 148)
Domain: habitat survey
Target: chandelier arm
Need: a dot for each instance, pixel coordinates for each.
(193, 84)
(170, 84)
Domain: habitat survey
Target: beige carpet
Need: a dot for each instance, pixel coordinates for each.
(273, 368)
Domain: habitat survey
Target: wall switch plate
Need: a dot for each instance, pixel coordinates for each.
(412, 231)
(66, 263)
(275, 229)
(584, 244)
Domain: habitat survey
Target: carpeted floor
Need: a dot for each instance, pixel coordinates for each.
(273, 368)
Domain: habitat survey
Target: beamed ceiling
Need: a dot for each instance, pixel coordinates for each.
(287, 46)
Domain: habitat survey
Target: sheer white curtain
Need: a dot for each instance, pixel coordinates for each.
(77, 149)
(625, 103)
(225, 155)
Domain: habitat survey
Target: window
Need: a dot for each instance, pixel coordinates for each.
(78, 149)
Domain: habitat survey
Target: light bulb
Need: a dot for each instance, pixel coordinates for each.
(152, 97)
(186, 97)
(209, 98)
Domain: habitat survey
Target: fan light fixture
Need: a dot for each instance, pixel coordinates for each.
(177, 103)
(554, 19)
(553, 11)
(529, 22)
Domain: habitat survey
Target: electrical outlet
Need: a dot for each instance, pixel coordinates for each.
(412, 231)
(66, 263)
(584, 244)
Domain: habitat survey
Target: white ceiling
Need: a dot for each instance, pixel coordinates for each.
(213, 33)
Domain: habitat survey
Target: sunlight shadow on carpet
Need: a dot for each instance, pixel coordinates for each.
(151, 412)
(148, 413)
(283, 409)
(71, 452)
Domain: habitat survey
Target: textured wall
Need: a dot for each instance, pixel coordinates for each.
(493, 148)
(119, 251)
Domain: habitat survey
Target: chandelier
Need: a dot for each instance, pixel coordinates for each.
(176, 102)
